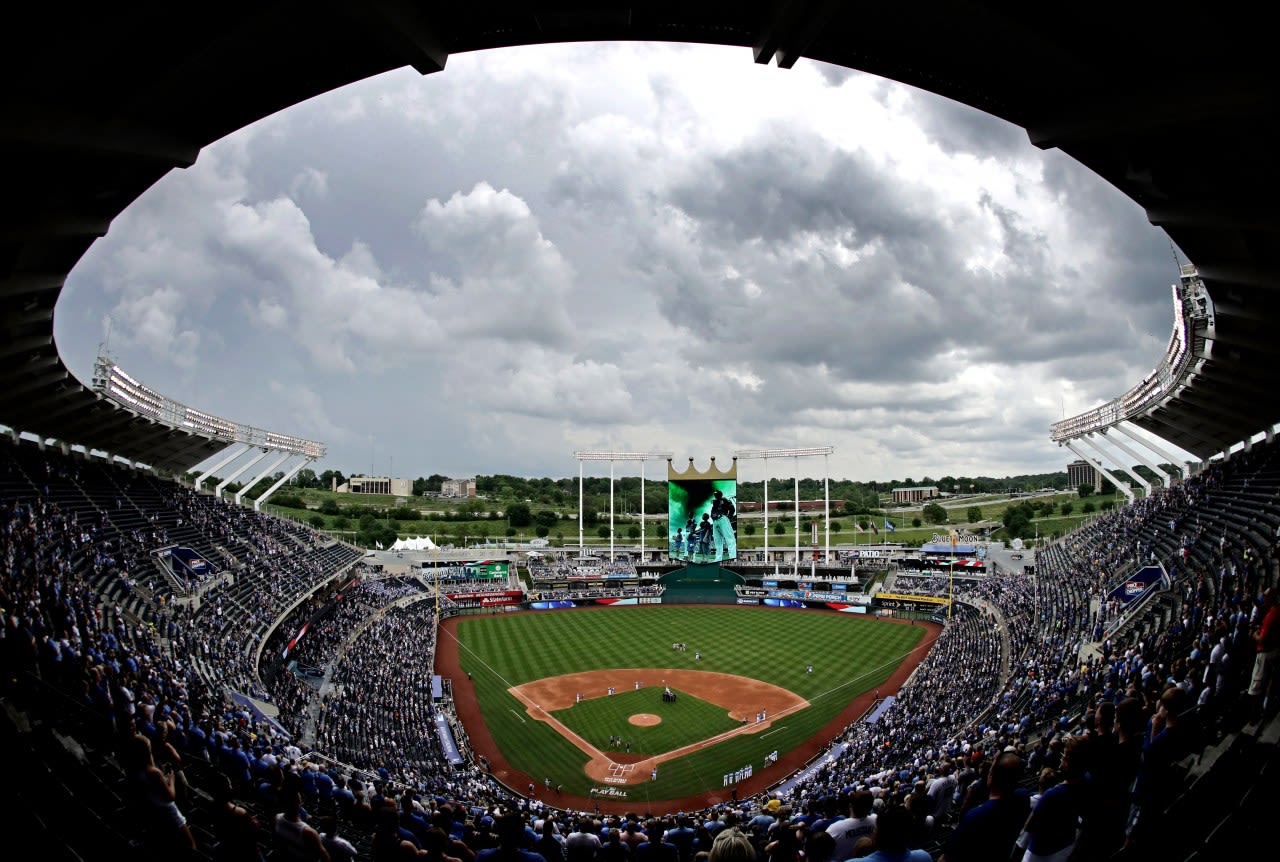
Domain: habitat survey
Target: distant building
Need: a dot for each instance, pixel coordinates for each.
(377, 485)
(1083, 473)
(458, 488)
(915, 495)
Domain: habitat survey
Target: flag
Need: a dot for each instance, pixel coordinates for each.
(873, 528)
(955, 540)
(888, 525)
(858, 527)
(379, 544)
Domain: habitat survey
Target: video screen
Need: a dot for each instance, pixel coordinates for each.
(703, 525)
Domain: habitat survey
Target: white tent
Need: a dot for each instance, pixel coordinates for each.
(417, 543)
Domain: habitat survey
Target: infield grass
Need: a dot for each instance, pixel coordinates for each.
(850, 655)
(686, 721)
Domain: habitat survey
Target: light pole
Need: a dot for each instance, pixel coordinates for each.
(795, 570)
(611, 457)
(765, 455)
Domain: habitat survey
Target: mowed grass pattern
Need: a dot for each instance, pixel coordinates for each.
(850, 654)
(685, 721)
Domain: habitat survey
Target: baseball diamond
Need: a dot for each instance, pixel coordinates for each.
(793, 254)
(533, 689)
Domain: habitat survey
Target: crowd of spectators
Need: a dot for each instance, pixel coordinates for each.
(379, 712)
(1018, 682)
(586, 581)
(326, 622)
(602, 590)
(548, 568)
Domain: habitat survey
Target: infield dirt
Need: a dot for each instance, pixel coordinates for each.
(468, 710)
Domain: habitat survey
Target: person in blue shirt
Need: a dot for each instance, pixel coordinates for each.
(656, 848)
(1054, 823)
(893, 830)
(682, 836)
(510, 830)
(988, 831)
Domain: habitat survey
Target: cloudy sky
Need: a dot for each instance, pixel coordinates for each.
(632, 247)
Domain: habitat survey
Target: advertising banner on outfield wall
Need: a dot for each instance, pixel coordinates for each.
(604, 602)
(500, 594)
(784, 603)
(486, 599)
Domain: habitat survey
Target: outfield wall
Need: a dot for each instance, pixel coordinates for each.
(684, 598)
(721, 652)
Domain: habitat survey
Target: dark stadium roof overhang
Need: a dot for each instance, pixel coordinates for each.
(1176, 109)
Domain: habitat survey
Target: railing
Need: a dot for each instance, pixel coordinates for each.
(110, 381)
(1192, 319)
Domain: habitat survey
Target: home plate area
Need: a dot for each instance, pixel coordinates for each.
(756, 704)
(620, 773)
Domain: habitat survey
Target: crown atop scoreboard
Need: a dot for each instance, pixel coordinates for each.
(712, 472)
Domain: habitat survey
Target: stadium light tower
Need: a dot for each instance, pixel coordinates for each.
(611, 457)
(797, 454)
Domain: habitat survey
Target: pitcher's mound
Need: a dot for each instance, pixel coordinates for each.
(645, 719)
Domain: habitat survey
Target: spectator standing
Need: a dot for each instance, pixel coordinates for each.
(436, 846)
(550, 845)
(786, 845)
(860, 823)
(234, 826)
(656, 849)
(295, 839)
(1054, 824)
(682, 835)
(1168, 741)
(613, 848)
(157, 790)
(582, 844)
(892, 834)
(338, 847)
(1267, 638)
(989, 830)
(940, 792)
(510, 829)
(732, 845)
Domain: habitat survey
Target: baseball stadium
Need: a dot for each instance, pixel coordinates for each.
(189, 677)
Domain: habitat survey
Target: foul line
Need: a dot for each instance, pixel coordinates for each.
(591, 751)
(893, 662)
(517, 715)
(581, 744)
(775, 730)
(476, 656)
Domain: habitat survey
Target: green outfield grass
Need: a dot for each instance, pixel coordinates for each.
(850, 654)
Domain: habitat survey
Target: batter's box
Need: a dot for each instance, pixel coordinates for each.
(621, 770)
